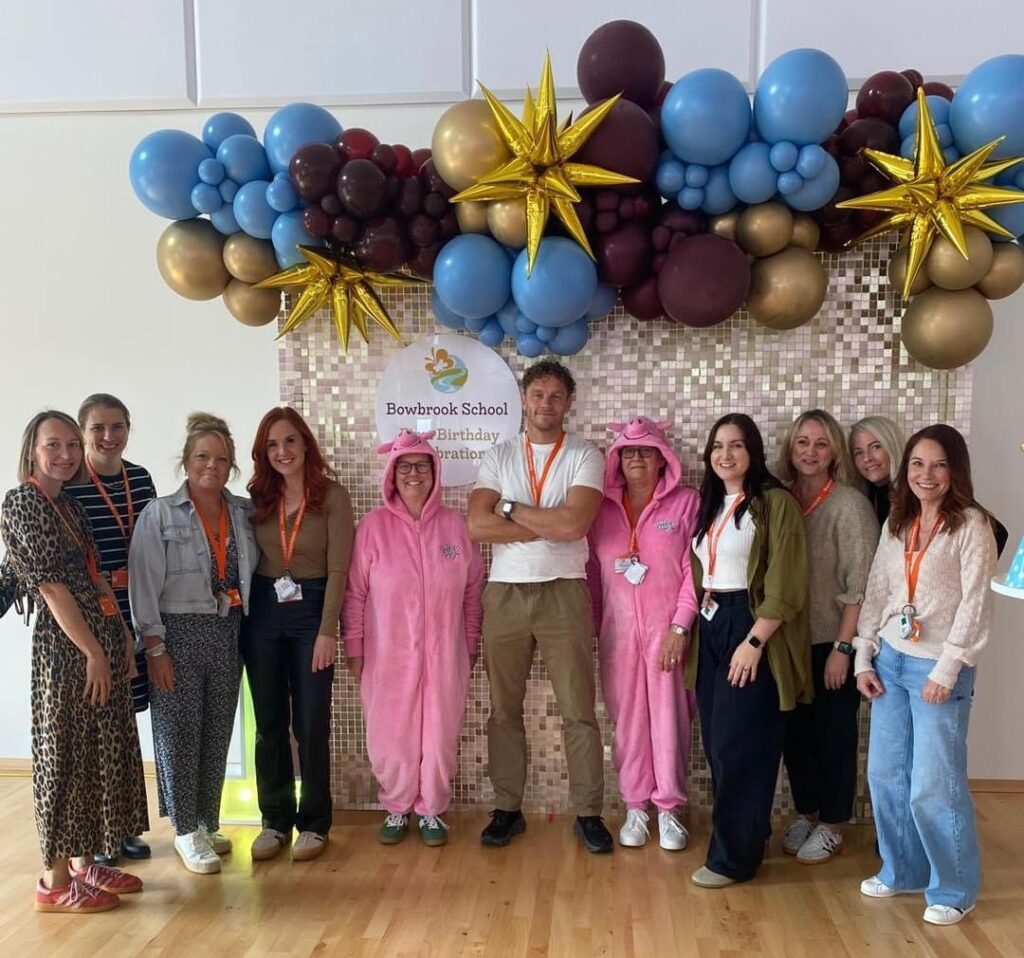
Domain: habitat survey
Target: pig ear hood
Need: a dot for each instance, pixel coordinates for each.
(640, 431)
(408, 443)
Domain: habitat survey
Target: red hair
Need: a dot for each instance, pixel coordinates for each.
(267, 486)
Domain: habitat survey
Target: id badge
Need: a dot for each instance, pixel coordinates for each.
(909, 627)
(636, 572)
(107, 605)
(287, 589)
(709, 608)
(622, 563)
(227, 600)
(119, 578)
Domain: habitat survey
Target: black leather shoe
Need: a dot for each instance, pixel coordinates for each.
(503, 827)
(596, 838)
(108, 860)
(135, 847)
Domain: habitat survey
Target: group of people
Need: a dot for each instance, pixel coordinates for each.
(768, 602)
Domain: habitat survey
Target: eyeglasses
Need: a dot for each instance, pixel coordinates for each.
(422, 468)
(644, 452)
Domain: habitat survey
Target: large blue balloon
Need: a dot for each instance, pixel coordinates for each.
(751, 174)
(244, 159)
(801, 97)
(254, 214)
(222, 125)
(706, 117)
(990, 103)
(602, 302)
(471, 275)
(296, 125)
(287, 235)
(570, 339)
(164, 168)
(561, 286)
(817, 191)
(1010, 217)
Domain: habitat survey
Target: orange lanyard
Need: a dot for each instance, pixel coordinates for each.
(538, 487)
(714, 535)
(818, 499)
(126, 530)
(288, 543)
(90, 558)
(912, 566)
(218, 542)
(633, 547)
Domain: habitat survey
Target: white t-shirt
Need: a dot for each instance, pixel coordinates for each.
(503, 470)
(733, 552)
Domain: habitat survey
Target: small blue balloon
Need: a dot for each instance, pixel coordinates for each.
(206, 198)
(546, 333)
(444, 315)
(559, 289)
(718, 195)
(228, 191)
(529, 345)
(492, 334)
(507, 316)
(222, 125)
(670, 177)
(1010, 217)
(1018, 180)
(789, 183)
(296, 125)
(706, 117)
(990, 103)
(816, 192)
(602, 303)
(523, 325)
(751, 175)
(811, 161)
(908, 146)
(244, 159)
(944, 134)
(212, 172)
(800, 97)
(950, 154)
(476, 323)
(281, 194)
(163, 169)
(783, 156)
(471, 275)
(253, 212)
(690, 198)
(938, 107)
(288, 234)
(224, 220)
(570, 339)
(697, 175)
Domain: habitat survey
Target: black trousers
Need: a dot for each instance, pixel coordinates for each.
(820, 747)
(742, 732)
(277, 649)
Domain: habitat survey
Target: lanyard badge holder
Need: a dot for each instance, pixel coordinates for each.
(709, 606)
(285, 587)
(630, 566)
(118, 577)
(227, 599)
(909, 622)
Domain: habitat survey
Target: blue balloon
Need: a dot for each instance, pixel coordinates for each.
(476, 323)
(990, 103)
(163, 169)
(570, 339)
(706, 117)
(444, 315)
(602, 303)
(1010, 217)
(1018, 180)
(944, 133)
(718, 196)
(253, 212)
(206, 198)
(907, 146)
(697, 175)
(224, 220)
(507, 316)
(212, 172)
(950, 154)
(751, 175)
(545, 333)
(287, 236)
(561, 286)
(243, 159)
(816, 192)
(783, 156)
(690, 198)
(811, 161)
(529, 345)
(281, 194)
(228, 191)
(492, 334)
(523, 325)
(938, 107)
(222, 125)
(789, 182)
(800, 97)
(670, 177)
(471, 275)
(296, 125)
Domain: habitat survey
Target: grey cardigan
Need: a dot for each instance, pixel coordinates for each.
(169, 560)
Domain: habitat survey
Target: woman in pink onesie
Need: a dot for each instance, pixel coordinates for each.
(412, 626)
(644, 602)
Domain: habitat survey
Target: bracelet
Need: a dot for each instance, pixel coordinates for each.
(156, 650)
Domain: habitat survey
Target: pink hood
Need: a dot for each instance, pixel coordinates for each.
(407, 443)
(640, 431)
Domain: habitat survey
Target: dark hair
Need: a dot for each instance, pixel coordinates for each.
(549, 367)
(102, 399)
(757, 479)
(959, 497)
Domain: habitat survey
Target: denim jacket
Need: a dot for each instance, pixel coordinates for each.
(169, 560)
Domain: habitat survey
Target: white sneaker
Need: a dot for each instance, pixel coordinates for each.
(874, 888)
(196, 854)
(672, 835)
(634, 833)
(798, 832)
(822, 844)
(945, 914)
(308, 846)
(219, 842)
(267, 844)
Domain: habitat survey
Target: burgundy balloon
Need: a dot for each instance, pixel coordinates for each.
(385, 157)
(606, 221)
(938, 89)
(869, 132)
(359, 143)
(642, 300)
(661, 236)
(830, 214)
(419, 157)
(316, 222)
(382, 246)
(885, 96)
(435, 204)
(432, 181)
(331, 205)
(314, 170)
(704, 280)
(422, 260)
(621, 56)
(624, 255)
(679, 220)
(423, 230)
(344, 229)
(852, 168)
(403, 160)
(392, 187)
(449, 225)
(361, 188)
(409, 198)
(915, 78)
(625, 142)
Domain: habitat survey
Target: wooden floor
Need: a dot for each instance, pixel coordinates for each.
(542, 896)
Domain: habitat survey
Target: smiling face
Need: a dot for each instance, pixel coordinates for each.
(208, 464)
(546, 401)
(106, 435)
(812, 456)
(414, 480)
(640, 465)
(928, 474)
(56, 452)
(286, 449)
(870, 458)
(730, 459)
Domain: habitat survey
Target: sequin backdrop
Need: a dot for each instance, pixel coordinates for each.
(847, 360)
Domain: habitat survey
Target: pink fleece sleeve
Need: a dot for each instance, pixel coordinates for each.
(355, 595)
(686, 602)
(472, 611)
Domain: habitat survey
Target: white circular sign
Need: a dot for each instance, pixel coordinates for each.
(458, 387)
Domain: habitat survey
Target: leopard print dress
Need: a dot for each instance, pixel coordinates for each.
(87, 783)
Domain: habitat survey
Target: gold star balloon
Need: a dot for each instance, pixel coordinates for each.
(931, 197)
(540, 169)
(342, 282)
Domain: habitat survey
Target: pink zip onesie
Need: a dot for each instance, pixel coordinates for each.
(649, 707)
(412, 611)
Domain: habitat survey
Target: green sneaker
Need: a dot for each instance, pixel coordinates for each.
(393, 830)
(434, 830)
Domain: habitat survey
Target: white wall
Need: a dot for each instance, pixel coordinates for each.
(81, 81)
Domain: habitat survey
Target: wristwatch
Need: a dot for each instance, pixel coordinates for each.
(506, 508)
(678, 630)
(754, 641)
(843, 647)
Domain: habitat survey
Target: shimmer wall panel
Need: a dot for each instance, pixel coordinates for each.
(847, 360)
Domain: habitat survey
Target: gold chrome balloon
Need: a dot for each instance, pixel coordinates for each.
(249, 259)
(725, 224)
(252, 306)
(507, 221)
(947, 269)
(472, 217)
(898, 272)
(190, 257)
(806, 231)
(787, 289)
(467, 144)
(945, 328)
(1006, 274)
(765, 229)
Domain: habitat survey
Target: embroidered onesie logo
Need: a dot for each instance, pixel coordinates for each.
(450, 552)
(666, 525)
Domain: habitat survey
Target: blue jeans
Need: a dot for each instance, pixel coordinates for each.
(917, 771)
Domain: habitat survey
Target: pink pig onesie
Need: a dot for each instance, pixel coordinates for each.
(412, 611)
(649, 707)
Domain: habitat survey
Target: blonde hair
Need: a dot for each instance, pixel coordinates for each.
(840, 469)
(201, 424)
(888, 434)
(28, 442)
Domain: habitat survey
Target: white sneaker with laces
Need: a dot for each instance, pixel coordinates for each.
(945, 914)
(672, 835)
(822, 844)
(196, 854)
(219, 842)
(308, 846)
(798, 832)
(874, 888)
(634, 832)
(267, 844)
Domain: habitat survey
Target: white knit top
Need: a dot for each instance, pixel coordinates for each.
(733, 553)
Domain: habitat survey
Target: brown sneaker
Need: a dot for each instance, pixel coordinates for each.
(75, 898)
(108, 879)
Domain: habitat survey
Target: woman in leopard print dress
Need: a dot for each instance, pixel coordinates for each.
(87, 783)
